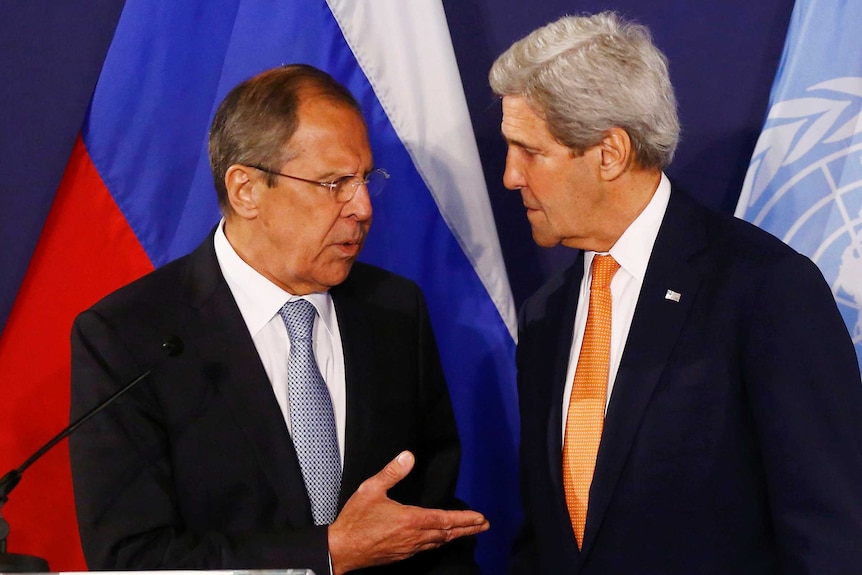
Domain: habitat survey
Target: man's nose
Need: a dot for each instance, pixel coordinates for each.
(360, 204)
(513, 177)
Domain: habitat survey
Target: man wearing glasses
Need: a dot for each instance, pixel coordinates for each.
(307, 423)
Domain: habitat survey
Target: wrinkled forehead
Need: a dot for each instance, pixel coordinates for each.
(332, 133)
(521, 120)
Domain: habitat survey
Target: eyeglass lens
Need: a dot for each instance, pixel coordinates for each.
(345, 188)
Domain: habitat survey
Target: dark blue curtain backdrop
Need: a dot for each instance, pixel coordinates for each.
(50, 56)
(723, 55)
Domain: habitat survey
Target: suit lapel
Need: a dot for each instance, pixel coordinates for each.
(653, 334)
(561, 338)
(233, 364)
(544, 365)
(357, 339)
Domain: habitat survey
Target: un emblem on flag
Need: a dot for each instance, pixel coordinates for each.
(804, 185)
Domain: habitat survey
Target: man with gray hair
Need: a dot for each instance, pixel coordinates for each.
(689, 394)
(307, 422)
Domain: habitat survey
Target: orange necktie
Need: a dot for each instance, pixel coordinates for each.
(586, 413)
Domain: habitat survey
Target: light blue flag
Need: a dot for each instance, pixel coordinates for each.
(804, 183)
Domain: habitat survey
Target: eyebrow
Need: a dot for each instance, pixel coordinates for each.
(331, 176)
(513, 141)
(520, 144)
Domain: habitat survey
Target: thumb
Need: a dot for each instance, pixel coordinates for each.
(395, 471)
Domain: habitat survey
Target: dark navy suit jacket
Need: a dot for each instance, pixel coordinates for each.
(195, 468)
(732, 440)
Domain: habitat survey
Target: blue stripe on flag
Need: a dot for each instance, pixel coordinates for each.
(804, 183)
(148, 121)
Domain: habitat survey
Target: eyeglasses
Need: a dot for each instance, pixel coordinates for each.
(342, 188)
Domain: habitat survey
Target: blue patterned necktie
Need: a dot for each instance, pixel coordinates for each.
(312, 420)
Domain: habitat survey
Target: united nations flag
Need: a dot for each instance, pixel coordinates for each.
(804, 183)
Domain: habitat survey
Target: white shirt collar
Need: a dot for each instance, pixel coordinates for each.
(632, 250)
(257, 297)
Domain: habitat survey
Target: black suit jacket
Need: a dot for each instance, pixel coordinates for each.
(195, 468)
(732, 439)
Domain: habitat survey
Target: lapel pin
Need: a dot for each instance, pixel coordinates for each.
(672, 295)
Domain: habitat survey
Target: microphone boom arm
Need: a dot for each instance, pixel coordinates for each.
(172, 345)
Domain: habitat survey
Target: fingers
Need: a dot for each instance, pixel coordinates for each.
(454, 524)
(392, 473)
(438, 527)
(373, 529)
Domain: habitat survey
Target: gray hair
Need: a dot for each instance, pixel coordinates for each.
(588, 74)
(259, 117)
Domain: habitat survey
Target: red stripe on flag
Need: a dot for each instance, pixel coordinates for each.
(86, 250)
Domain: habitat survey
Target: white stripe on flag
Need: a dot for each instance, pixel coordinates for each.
(405, 51)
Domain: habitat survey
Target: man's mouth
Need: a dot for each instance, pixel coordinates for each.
(349, 247)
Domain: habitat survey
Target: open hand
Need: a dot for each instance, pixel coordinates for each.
(373, 529)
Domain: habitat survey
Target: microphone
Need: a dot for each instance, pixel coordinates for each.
(16, 563)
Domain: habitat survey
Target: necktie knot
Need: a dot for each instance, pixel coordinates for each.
(604, 268)
(298, 316)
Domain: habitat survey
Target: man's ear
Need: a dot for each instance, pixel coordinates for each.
(240, 181)
(617, 153)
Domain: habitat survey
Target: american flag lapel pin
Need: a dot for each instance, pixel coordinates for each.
(672, 295)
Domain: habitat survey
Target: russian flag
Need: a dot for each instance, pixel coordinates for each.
(138, 193)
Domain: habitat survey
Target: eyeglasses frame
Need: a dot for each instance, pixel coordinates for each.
(330, 184)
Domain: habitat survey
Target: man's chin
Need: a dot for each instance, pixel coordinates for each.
(544, 240)
(339, 272)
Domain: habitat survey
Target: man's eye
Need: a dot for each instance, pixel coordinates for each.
(339, 182)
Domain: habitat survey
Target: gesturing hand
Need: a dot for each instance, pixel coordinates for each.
(373, 529)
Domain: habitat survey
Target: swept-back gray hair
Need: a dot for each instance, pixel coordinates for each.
(587, 74)
(259, 116)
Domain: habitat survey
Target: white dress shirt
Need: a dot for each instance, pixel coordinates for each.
(259, 301)
(632, 251)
